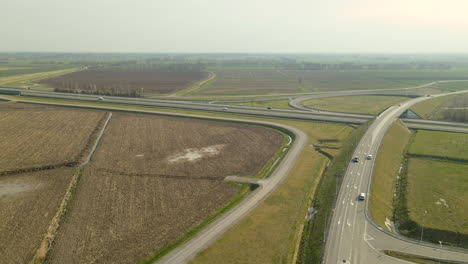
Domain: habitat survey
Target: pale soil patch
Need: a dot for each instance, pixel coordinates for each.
(12, 188)
(194, 154)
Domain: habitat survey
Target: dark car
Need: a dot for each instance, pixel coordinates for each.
(355, 159)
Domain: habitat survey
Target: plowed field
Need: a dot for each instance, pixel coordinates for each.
(36, 136)
(127, 81)
(151, 180)
(28, 201)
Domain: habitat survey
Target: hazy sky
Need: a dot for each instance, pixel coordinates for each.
(234, 25)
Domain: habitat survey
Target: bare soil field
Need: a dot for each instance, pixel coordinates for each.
(36, 136)
(126, 82)
(151, 180)
(28, 202)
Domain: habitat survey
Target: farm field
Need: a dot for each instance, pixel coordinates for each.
(372, 105)
(447, 108)
(270, 103)
(126, 82)
(275, 81)
(440, 189)
(28, 202)
(389, 160)
(441, 144)
(43, 135)
(141, 156)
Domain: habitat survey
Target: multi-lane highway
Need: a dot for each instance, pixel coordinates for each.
(352, 236)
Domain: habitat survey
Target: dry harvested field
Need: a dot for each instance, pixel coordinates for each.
(151, 180)
(28, 201)
(121, 82)
(37, 136)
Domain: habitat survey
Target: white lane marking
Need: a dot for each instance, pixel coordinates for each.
(355, 187)
(344, 201)
(347, 185)
(339, 221)
(359, 174)
(352, 203)
(348, 223)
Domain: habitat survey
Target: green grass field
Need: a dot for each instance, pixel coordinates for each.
(372, 105)
(387, 166)
(437, 194)
(442, 144)
(271, 103)
(429, 108)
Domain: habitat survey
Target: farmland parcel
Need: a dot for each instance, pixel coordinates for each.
(126, 82)
(39, 143)
(37, 136)
(151, 180)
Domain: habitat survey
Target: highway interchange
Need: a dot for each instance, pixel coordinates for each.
(353, 237)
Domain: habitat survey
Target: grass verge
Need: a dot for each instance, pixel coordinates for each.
(372, 105)
(415, 258)
(387, 167)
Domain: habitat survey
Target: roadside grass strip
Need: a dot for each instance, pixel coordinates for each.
(388, 166)
(415, 258)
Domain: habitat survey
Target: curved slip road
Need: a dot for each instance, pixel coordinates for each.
(353, 237)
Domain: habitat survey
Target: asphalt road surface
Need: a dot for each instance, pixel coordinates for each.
(352, 236)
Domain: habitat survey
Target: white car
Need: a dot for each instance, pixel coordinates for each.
(369, 157)
(225, 108)
(362, 197)
(101, 98)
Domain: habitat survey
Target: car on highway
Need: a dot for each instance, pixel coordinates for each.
(268, 108)
(362, 197)
(101, 98)
(225, 108)
(355, 160)
(369, 157)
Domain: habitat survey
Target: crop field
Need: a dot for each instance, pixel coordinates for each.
(126, 82)
(28, 201)
(447, 108)
(275, 81)
(442, 144)
(151, 180)
(372, 105)
(38, 136)
(437, 194)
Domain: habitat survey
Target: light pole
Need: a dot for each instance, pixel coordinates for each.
(422, 225)
(440, 252)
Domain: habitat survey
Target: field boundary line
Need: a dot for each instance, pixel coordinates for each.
(41, 254)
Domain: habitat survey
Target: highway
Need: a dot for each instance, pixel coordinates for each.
(353, 237)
